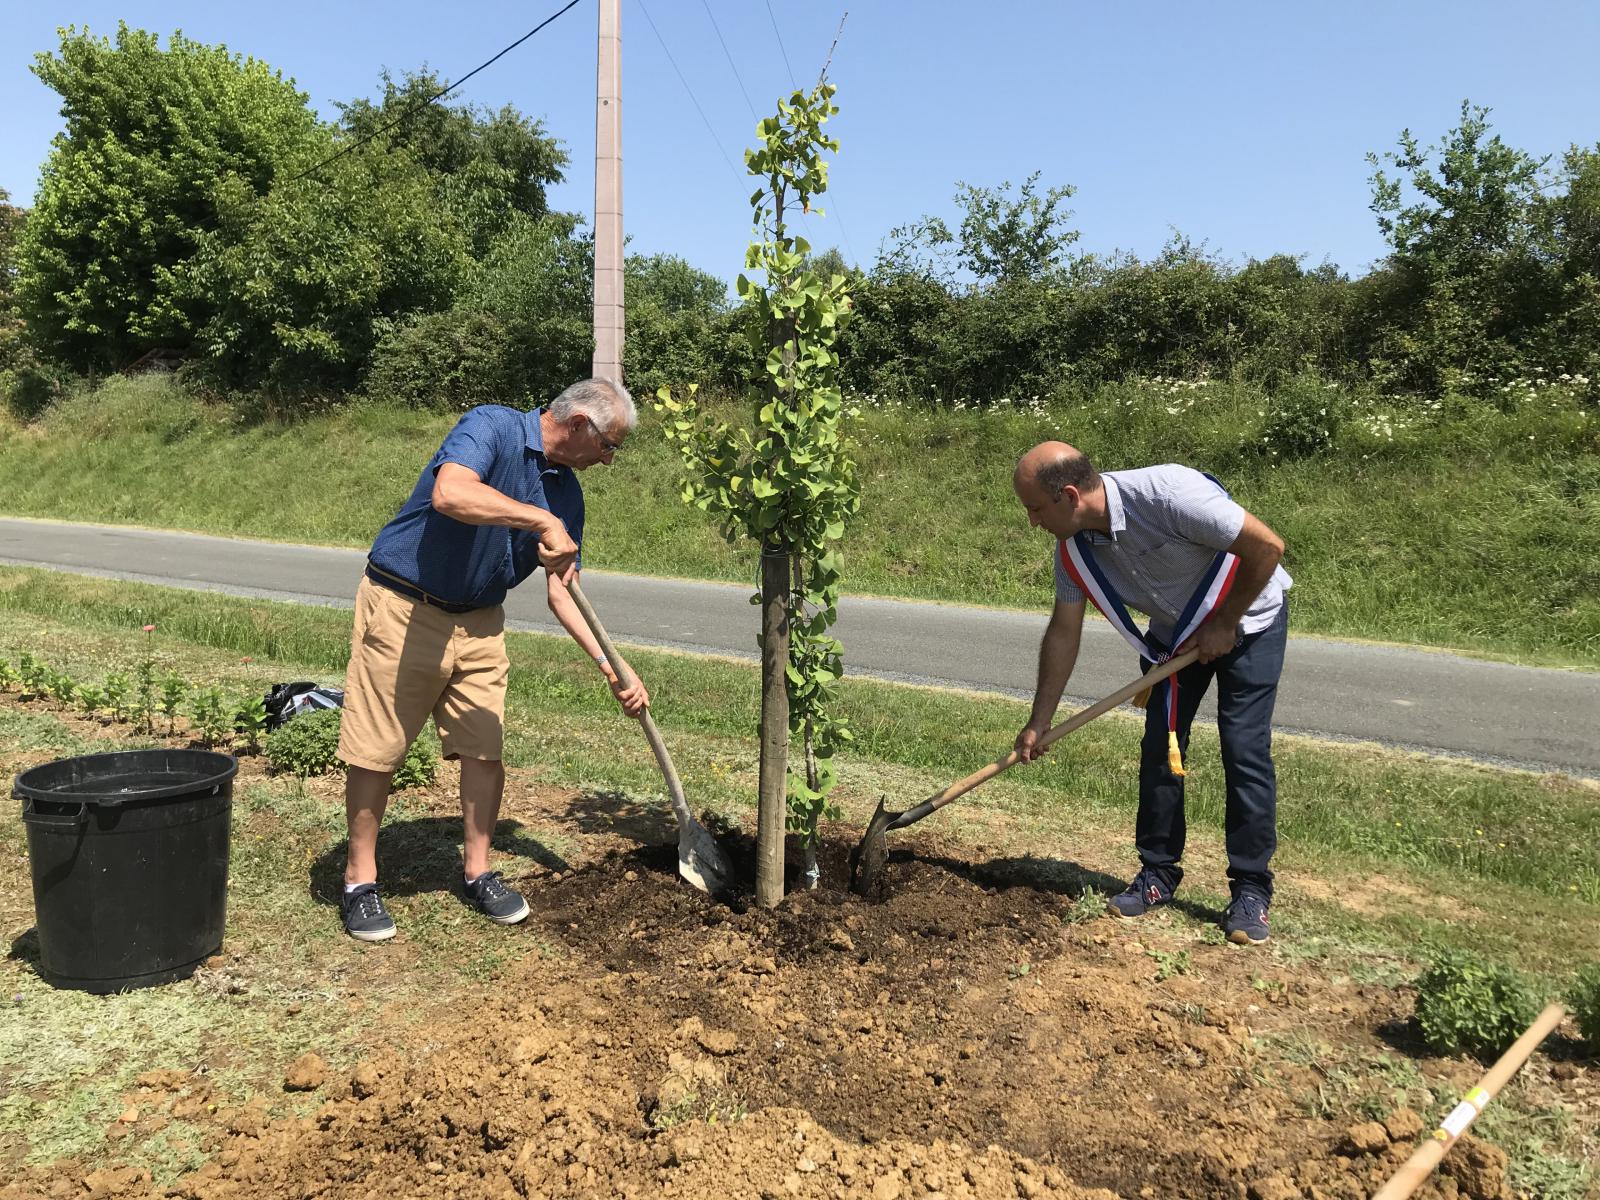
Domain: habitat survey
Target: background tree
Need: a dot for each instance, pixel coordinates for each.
(490, 167)
(1469, 282)
(1001, 238)
(130, 185)
(11, 222)
(294, 282)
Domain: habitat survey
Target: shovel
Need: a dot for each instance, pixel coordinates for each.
(869, 856)
(700, 860)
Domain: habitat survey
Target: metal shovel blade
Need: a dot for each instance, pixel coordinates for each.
(700, 859)
(871, 855)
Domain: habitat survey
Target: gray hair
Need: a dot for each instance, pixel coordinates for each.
(604, 401)
(1074, 470)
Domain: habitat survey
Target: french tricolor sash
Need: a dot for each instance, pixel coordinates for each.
(1082, 569)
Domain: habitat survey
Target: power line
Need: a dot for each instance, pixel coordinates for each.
(729, 56)
(793, 86)
(445, 91)
(709, 128)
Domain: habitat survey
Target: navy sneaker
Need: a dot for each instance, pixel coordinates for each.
(1145, 892)
(365, 917)
(490, 896)
(1245, 922)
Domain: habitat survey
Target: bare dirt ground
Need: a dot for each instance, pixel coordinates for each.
(977, 1034)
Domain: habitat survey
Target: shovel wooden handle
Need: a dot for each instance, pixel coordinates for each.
(663, 759)
(1428, 1155)
(1076, 721)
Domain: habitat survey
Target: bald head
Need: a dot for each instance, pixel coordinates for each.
(1060, 488)
(1051, 466)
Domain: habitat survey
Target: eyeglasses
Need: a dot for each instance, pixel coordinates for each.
(606, 444)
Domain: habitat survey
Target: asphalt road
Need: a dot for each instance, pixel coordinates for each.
(1529, 717)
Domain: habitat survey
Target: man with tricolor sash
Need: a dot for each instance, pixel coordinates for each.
(1170, 542)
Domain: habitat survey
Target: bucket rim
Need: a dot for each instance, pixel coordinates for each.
(223, 768)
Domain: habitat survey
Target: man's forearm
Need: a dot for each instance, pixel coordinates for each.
(1058, 654)
(566, 611)
(1248, 583)
(473, 502)
(1259, 551)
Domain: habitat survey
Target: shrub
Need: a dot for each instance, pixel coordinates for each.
(1304, 418)
(453, 360)
(419, 768)
(1466, 1004)
(306, 745)
(309, 745)
(1585, 1002)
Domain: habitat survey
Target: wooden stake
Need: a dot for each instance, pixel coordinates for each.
(1428, 1155)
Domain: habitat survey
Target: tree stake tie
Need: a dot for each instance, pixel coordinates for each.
(1428, 1155)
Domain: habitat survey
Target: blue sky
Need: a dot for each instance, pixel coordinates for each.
(1241, 124)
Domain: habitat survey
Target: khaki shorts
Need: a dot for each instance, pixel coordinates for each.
(409, 660)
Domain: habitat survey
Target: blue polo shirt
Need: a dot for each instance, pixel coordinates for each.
(479, 564)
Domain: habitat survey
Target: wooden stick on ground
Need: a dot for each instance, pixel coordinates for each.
(1428, 1155)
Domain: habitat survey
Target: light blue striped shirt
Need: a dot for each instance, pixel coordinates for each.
(1167, 524)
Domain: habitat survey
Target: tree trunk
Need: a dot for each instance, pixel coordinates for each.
(773, 799)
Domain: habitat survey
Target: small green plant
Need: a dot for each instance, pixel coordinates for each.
(144, 704)
(173, 690)
(1584, 999)
(62, 687)
(1089, 906)
(9, 678)
(1019, 970)
(209, 716)
(1272, 989)
(1170, 963)
(309, 745)
(1466, 1004)
(251, 721)
(33, 674)
(306, 745)
(91, 698)
(117, 690)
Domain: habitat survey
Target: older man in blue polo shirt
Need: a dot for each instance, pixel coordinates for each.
(1170, 542)
(500, 499)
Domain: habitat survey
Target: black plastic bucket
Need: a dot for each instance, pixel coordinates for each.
(130, 864)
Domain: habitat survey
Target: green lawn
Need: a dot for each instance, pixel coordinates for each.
(1404, 849)
(1450, 525)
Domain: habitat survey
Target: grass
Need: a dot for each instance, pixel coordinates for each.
(1451, 524)
(1438, 849)
(1361, 897)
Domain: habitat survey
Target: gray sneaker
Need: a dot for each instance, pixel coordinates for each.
(365, 917)
(490, 896)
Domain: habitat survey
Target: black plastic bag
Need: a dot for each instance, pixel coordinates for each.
(287, 700)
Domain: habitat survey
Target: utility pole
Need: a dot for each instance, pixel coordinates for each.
(608, 305)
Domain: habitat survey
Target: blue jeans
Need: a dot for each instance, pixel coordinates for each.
(1247, 688)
